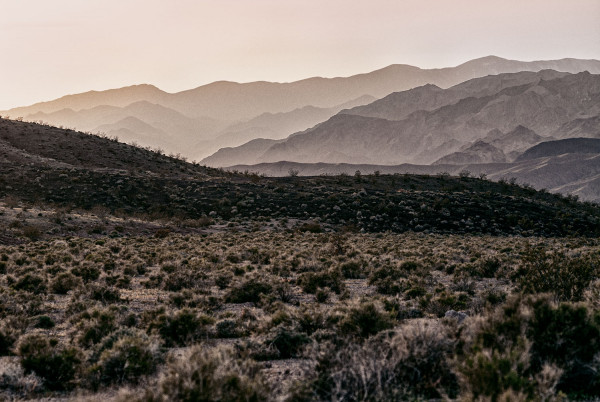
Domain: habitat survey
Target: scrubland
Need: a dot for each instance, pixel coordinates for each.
(222, 313)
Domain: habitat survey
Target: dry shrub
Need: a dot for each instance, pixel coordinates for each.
(209, 375)
(410, 363)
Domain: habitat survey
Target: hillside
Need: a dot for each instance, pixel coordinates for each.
(542, 102)
(47, 165)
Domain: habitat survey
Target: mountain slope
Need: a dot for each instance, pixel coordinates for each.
(273, 126)
(560, 147)
(479, 152)
(424, 136)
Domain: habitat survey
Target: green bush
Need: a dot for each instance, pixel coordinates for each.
(228, 329)
(95, 326)
(87, 272)
(389, 279)
(567, 336)
(352, 270)
(44, 322)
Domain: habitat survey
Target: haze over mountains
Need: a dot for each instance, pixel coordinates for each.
(197, 122)
(507, 112)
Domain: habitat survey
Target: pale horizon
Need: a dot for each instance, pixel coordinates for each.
(67, 46)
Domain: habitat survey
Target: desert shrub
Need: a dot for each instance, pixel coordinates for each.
(526, 337)
(365, 320)
(443, 302)
(95, 326)
(181, 328)
(104, 294)
(287, 341)
(409, 364)
(86, 272)
(210, 375)
(64, 282)
(228, 329)
(248, 291)
(31, 283)
(44, 322)
(567, 336)
(32, 232)
(127, 359)
(181, 279)
(55, 364)
(488, 267)
(7, 340)
(311, 319)
(352, 270)
(223, 279)
(311, 281)
(311, 227)
(389, 279)
(322, 295)
(566, 277)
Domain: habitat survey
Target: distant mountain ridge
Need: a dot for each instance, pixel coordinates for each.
(217, 109)
(452, 120)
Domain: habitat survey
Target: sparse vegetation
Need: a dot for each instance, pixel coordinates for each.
(196, 284)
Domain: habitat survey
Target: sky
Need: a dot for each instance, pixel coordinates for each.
(52, 48)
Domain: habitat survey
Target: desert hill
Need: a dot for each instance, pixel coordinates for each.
(43, 165)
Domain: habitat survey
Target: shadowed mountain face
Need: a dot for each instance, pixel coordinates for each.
(202, 120)
(440, 122)
(561, 147)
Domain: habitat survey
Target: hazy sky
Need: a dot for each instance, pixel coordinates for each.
(49, 48)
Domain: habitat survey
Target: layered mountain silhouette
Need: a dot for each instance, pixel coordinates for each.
(489, 119)
(198, 121)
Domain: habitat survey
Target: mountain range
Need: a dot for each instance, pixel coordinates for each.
(488, 119)
(199, 121)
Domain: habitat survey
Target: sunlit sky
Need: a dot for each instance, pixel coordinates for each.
(49, 48)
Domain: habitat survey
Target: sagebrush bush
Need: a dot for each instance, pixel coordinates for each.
(55, 364)
(411, 363)
(31, 283)
(365, 320)
(64, 282)
(209, 375)
(566, 277)
(127, 358)
(248, 291)
(312, 281)
(181, 328)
